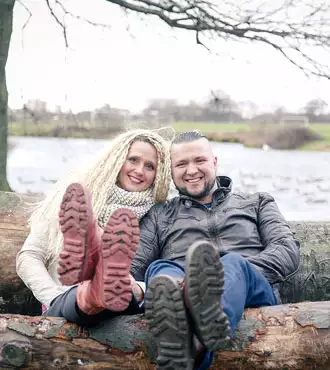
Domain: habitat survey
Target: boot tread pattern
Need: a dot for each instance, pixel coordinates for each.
(119, 244)
(167, 320)
(205, 284)
(73, 217)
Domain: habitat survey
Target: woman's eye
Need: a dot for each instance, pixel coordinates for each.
(132, 159)
(150, 166)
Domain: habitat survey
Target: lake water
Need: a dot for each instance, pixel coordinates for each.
(299, 181)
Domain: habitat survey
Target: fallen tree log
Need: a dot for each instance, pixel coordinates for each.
(291, 337)
(311, 283)
(14, 213)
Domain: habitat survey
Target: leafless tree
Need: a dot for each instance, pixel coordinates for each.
(294, 28)
(315, 107)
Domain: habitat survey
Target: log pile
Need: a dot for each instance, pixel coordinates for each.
(290, 336)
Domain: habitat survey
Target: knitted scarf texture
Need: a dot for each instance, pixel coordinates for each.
(139, 202)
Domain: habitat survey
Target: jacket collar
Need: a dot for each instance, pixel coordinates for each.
(225, 185)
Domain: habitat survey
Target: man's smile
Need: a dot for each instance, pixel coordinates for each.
(193, 181)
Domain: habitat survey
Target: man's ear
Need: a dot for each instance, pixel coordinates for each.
(215, 161)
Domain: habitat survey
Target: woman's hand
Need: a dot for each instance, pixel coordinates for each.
(137, 290)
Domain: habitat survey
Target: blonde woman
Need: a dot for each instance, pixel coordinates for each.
(134, 173)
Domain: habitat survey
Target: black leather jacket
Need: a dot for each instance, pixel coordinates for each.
(251, 225)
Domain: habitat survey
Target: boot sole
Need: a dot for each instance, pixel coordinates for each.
(167, 319)
(204, 284)
(120, 241)
(75, 218)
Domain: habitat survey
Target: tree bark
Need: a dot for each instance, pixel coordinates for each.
(15, 210)
(311, 283)
(6, 23)
(292, 337)
(282, 337)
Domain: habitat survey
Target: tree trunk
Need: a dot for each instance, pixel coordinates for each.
(289, 337)
(6, 23)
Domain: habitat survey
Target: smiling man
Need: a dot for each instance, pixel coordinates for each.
(206, 255)
(194, 169)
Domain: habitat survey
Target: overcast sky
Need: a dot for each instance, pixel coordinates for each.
(137, 59)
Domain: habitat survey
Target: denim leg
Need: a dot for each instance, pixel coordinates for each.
(173, 269)
(65, 305)
(163, 267)
(244, 287)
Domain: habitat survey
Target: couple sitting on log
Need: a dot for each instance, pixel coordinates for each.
(192, 263)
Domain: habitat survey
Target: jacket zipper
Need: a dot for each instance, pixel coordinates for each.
(210, 214)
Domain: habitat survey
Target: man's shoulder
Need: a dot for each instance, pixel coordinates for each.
(256, 197)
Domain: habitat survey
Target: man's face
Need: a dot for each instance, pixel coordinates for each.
(194, 169)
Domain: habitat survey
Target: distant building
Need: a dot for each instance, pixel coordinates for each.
(294, 119)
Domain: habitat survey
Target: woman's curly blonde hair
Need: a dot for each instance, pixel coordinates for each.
(99, 178)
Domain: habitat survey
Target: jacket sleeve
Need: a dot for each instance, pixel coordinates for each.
(31, 268)
(281, 255)
(148, 250)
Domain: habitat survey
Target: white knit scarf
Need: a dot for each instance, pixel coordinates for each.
(139, 202)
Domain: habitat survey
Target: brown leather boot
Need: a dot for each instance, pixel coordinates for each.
(111, 286)
(81, 235)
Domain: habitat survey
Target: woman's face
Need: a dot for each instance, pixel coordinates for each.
(139, 170)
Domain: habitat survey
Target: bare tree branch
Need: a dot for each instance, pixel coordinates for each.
(65, 12)
(78, 17)
(61, 24)
(294, 28)
(29, 14)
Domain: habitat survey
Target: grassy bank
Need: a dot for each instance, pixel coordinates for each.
(212, 127)
(56, 129)
(253, 135)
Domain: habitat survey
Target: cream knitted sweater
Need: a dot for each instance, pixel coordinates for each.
(40, 275)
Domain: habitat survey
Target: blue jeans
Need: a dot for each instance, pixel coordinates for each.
(244, 287)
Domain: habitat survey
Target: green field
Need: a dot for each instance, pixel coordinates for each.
(322, 145)
(320, 128)
(57, 129)
(212, 127)
(31, 129)
(85, 130)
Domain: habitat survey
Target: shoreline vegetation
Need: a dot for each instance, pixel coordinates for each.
(313, 137)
